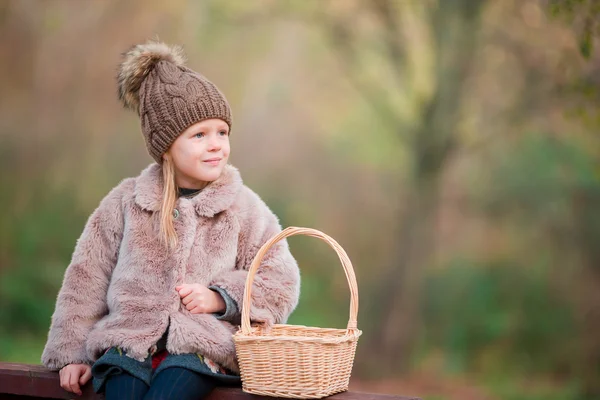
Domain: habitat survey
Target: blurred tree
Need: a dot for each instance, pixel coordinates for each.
(433, 80)
(583, 16)
(580, 197)
(430, 138)
(554, 186)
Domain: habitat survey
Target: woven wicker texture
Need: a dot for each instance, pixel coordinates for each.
(296, 361)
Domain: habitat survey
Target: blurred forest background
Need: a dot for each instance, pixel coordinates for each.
(450, 146)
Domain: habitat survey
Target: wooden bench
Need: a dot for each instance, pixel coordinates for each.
(27, 382)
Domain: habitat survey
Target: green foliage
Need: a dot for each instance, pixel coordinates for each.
(501, 317)
(507, 390)
(551, 186)
(502, 322)
(583, 15)
(42, 240)
(542, 173)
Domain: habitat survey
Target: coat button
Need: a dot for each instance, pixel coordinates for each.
(175, 213)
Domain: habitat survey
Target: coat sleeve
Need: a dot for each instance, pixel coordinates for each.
(276, 287)
(232, 312)
(81, 301)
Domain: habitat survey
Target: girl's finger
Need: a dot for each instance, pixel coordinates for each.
(188, 299)
(86, 376)
(74, 384)
(66, 384)
(196, 310)
(191, 305)
(184, 291)
(63, 379)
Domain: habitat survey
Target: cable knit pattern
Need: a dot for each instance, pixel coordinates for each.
(168, 96)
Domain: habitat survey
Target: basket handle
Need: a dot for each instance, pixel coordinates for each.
(292, 231)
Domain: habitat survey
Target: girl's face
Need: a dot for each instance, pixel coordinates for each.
(200, 153)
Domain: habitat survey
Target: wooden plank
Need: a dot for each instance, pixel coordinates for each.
(36, 381)
(29, 382)
(237, 394)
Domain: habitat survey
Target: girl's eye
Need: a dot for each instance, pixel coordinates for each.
(224, 133)
(199, 135)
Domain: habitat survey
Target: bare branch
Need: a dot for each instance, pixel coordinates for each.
(386, 12)
(349, 56)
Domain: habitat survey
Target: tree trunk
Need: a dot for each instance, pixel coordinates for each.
(416, 244)
(455, 25)
(587, 296)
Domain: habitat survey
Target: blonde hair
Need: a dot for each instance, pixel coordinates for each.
(169, 198)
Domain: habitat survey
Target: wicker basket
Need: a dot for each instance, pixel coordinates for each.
(296, 361)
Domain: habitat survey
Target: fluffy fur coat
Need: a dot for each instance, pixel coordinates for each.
(119, 288)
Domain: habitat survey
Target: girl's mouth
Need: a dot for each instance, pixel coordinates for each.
(212, 161)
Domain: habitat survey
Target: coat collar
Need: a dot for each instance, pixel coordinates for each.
(216, 197)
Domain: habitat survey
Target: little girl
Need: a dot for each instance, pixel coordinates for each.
(154, 289)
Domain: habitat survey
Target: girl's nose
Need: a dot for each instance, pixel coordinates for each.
(214, 144)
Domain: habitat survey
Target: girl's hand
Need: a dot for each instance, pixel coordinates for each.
(73, 375)
(200, 299)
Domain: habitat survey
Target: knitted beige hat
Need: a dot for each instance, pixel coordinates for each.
(168, 96)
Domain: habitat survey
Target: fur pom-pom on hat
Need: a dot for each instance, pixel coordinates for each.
(168, 96)
(137, 63)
